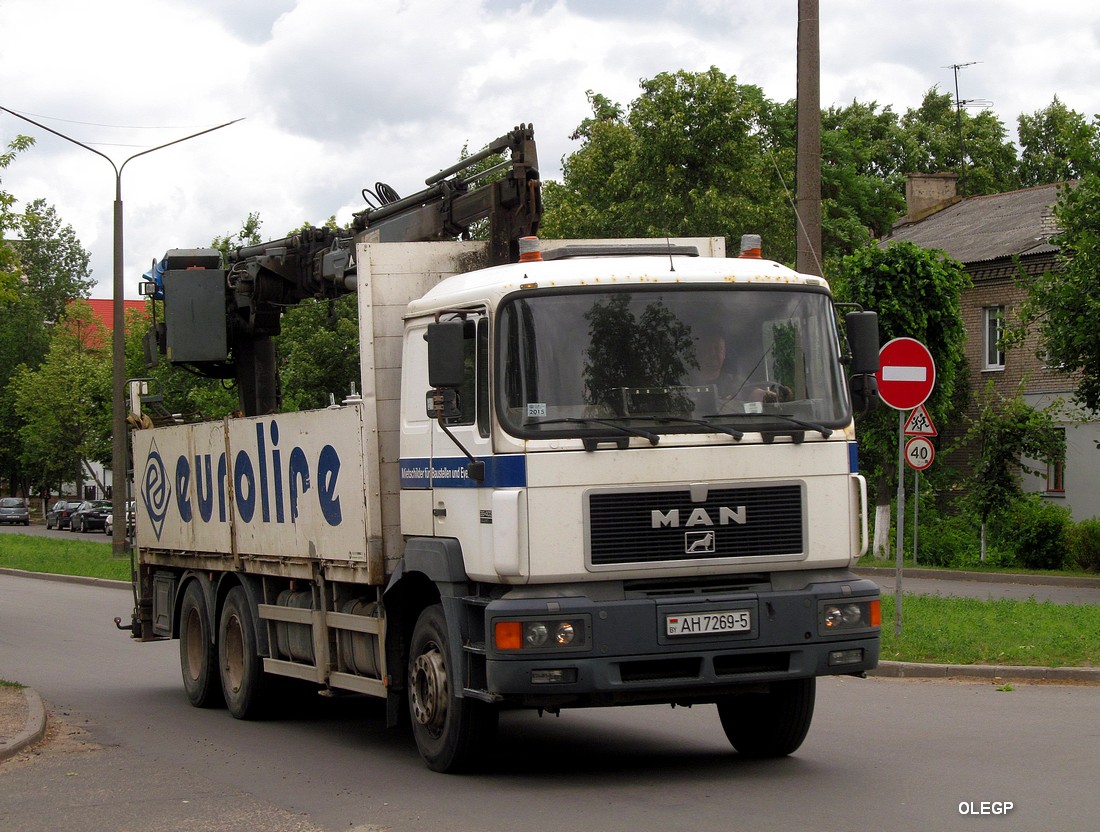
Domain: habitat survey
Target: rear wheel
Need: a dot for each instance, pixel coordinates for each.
(452, 733)
(771, 724)
(244, 683)
(198, 655)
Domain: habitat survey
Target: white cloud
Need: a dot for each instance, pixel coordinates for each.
(339, 94)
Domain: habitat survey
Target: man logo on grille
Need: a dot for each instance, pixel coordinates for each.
(698, 543)
(699, 517)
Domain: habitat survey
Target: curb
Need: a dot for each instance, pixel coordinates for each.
(68, 579)
(1016, 673)
(988, 577)
(32, 732)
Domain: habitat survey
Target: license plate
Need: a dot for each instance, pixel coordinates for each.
(699, 623)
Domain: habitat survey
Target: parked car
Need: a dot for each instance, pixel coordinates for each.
(109, 521)
(14, 510)
(90, 515)
(60, 512)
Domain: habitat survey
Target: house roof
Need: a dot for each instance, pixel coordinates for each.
(104, 309)
(982, 228)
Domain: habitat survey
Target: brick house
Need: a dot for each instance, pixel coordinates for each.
(998, 238)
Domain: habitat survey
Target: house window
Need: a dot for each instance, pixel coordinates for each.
(994, 320)
(1056, 475)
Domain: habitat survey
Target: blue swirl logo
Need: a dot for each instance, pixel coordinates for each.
(156, 489)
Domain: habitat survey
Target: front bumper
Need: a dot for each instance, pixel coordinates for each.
(627, 657)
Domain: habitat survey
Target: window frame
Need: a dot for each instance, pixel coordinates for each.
(993, 317)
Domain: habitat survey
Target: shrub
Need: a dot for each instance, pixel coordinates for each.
(1035, 530)
(1084, 545)
(943, 541)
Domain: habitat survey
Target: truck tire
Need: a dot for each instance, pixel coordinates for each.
(198, 655)
(771, 724)
(244, 682)
(452, 733)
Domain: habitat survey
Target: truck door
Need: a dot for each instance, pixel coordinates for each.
(461, 506)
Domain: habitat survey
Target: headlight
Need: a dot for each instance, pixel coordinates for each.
(540, 634)
(850, 615)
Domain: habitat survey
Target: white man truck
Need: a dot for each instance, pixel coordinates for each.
(550, 493)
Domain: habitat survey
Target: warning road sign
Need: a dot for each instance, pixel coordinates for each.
(919, 423)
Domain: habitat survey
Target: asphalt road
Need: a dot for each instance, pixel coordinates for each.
(129, 753)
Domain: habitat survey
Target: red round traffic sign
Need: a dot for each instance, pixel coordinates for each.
(919, 452)
(906, 373)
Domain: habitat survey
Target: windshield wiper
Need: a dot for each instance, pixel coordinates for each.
(653, 438)
(824, 431)
(665, 420)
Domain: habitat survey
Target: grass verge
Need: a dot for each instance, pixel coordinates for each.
(62, 557)
(937, 630)
(997, 632)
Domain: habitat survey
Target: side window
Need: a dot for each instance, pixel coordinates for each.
(993, 327)
(483, 376)
(473, 395)
(1056, 474)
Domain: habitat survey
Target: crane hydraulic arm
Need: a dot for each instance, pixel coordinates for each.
(219, 319)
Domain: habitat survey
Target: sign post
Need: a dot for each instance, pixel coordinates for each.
(906, 376)
(918, 425)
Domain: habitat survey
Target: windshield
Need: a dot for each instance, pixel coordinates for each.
(669, 360)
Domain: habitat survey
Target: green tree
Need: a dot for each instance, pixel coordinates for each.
(65, 404)
(318, 352)
(916, 293)
(1002, 435)
(55, 265)
(936, 131)
(862, 175)
(691, 157)
(23, 342)
(1055, 144)
(1065, 303)
(248, 235)
(9, 259)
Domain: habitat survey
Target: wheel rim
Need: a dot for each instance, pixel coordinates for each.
(196, 649)
(429, 690)
(233, 663)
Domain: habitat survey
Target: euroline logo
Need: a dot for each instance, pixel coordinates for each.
(265, 481)
(156, 490)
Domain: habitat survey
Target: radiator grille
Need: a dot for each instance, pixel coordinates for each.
(649, 526)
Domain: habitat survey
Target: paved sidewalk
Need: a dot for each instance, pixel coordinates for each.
(23, 723)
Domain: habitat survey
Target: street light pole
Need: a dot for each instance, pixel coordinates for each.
(118, 340)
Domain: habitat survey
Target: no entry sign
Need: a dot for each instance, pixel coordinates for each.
(906, 373)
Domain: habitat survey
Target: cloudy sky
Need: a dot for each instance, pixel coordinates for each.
(339, 94)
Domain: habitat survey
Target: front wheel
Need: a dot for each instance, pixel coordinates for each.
(244, 683)
(771, 724)
(452, 732)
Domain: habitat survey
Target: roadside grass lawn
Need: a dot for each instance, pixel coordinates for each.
(996, 632)
(62, 557)
(936, 630)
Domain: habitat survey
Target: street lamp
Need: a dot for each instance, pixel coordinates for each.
(118, 341)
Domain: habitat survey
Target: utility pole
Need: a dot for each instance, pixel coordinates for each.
(808, 163)
(118, 341)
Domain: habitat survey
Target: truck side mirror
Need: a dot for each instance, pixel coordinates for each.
(865, 397)
(446, 354)
(862, 329)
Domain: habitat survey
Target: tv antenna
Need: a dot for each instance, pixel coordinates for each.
(959, 104)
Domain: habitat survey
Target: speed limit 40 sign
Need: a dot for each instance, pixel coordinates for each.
(919, 453)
